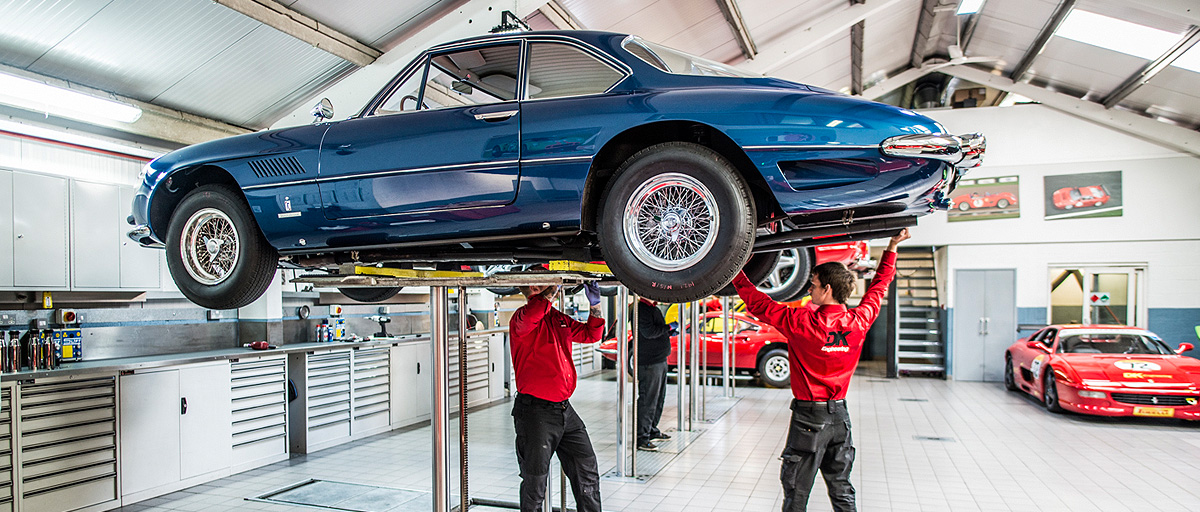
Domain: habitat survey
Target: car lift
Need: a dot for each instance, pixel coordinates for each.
(560, 273)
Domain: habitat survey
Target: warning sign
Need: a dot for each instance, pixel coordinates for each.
(1099, 299)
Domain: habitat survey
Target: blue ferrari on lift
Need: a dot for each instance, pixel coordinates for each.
(522, 148)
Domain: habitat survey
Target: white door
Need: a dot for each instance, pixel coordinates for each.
(95, 227)
(40, 243)
(409, 382)
(149, 419)
(205, 419)
(140, 266)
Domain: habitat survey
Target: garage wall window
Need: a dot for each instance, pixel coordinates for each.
(557, 70)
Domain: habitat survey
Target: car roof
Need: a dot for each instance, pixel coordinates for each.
(1099, 328)
(588, 36)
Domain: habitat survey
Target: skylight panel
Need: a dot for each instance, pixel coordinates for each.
(1117, 35)
(1190, 60)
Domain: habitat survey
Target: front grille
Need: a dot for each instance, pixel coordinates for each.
(1140, 399)
(271, 167)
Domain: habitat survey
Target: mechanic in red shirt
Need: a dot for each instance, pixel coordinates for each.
(823, 348)
(546, 424)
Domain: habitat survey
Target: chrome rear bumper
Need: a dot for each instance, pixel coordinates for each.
(962, 151)
(142, 235)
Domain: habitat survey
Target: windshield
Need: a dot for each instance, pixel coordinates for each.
(1110, 343)
(675, 61)
(1075, 195)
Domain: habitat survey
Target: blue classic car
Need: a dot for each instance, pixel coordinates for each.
(523, 148)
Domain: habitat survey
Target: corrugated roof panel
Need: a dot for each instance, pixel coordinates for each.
(367, 21)
(770, 20)
(1008, 29)
(1082, 67)
(140, 47)
(240, 82)
(26, 35)
(1174, 93)
(827, 66)
(711, 38)
(888, 40)
(608, 14)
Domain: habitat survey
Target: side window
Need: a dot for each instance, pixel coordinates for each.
(405, 97)
(557, 70)
(457, 79)
(1048, 337)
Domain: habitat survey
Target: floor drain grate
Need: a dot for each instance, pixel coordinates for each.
(934, 438)
(914, 399)
(349, 497)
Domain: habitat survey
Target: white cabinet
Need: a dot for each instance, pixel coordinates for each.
(175, 428)
(259, 405)
(410, 383)
(140, 267)
(95, 249)
(40, 230)
(6, 229)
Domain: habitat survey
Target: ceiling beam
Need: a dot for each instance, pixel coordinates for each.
(968, 30)
(924, 33)
(804, 38)
(911, 75)
(1152, 68)
(1167, 135)
(560, 16)
(1182, 10)
(856, 57)
(299, 26)
(741, 33)
(1039, 44)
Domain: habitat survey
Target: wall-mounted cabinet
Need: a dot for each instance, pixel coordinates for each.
(40, 232)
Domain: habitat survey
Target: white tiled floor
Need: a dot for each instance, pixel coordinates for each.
(1005, 453)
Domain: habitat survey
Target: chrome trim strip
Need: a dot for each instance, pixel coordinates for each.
(310, 181)
(472, 166)
(808, 147)
(496, 115)
(557, 159)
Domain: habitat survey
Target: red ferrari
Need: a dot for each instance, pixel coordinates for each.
(1106, 370)
(1078, 197)
(758, 348)
(1000, 200)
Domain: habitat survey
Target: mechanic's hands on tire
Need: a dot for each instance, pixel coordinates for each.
(592, 290)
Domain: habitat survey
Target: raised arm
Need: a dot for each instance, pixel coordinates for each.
(869, 307)
(762, 306)
(527, 317)
(592, 330)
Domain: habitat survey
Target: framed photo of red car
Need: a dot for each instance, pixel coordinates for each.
(1093, 194)
(985, 199)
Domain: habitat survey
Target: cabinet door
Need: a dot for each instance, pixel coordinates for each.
(205, 424)
(140, 267)
(149, 418)
(95, 244)
(6, 229)
(39, 231)
(410, 400)
(424, 379)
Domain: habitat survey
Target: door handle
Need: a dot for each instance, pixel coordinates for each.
(987, 324)
(183, 405)
(418, 368)
(496, 116)
(980, 330)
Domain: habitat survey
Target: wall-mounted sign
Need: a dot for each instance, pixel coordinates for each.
(985, 199)
(1099, 299)
(1093, 194)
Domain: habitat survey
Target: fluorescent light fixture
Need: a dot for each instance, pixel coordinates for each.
(1117, 35)
(969, 6)
(42, 97)
(78, 139)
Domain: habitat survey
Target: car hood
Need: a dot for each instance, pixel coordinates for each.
(1136, 371)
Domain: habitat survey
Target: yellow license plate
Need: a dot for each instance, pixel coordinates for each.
(1157, 412)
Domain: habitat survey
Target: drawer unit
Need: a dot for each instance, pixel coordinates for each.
(6, 448)
(371, 397)
(478, 371)
(68, 443)
(259, 404)
(328, 395)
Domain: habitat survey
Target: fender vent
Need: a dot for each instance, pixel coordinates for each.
(272, 167)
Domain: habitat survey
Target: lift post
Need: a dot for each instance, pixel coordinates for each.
(622, 334)
(634, 408)
(681, 365)
(693, 383)
(726, 360)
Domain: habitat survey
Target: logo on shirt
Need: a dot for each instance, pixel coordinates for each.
(835, 341)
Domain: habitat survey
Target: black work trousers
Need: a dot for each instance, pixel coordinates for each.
(546, 428)
(652, 385)
(818, 438)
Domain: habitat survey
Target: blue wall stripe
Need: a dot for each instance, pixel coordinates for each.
(1175, 326)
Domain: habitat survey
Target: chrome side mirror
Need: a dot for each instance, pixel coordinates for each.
(322, 111)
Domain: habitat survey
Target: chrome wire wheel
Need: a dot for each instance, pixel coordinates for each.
(776, 368)
(209, 246)
(671, 222)
(784, 274)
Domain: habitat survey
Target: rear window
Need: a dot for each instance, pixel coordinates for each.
(1110, 343)
(675, 61)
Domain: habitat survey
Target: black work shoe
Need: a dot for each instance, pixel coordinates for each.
(647, 446)
(660, 435)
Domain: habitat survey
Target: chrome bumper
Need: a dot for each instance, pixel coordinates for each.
(962, 151)
(141, 234)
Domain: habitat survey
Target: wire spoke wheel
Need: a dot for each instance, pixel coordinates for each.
(210, 246)
(671, 222)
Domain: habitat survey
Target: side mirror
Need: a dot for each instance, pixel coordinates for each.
(1184, 347)
(1036, 345)
(322, 110)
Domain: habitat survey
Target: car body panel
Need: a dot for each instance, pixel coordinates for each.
(1163, 385)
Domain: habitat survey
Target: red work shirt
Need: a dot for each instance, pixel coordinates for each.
(541, 339)
(823, 343)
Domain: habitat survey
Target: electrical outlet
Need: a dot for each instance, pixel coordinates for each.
(66, 316)
(383, 310)
(214, 314)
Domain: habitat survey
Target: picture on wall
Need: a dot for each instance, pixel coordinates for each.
(1093, 194)
(985, 199)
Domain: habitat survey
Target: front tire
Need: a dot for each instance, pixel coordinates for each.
(216, 253)
(1050, 392)
(370, 294)
(773, 368)
(1010, 381)
(1002, 204)
(677, 222)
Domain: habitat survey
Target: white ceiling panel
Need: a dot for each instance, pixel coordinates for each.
(1083, 67)
(367, 21)
(770, 20)
(26, 35)
(827, 66)
(260, 79)
(141, 47)
(1174, 93)
(888, 40)
(1007, 30)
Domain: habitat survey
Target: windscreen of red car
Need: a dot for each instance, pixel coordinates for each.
(1111, 343)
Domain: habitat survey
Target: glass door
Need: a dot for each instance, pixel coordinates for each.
(1096, 295)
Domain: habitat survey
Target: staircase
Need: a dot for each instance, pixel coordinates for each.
(920, 344)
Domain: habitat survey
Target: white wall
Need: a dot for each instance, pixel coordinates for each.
(1159, 226)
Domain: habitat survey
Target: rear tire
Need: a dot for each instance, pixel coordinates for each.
(216, 253)
(676, 223)
(370, 294)
(1002, 204)
(773, 369)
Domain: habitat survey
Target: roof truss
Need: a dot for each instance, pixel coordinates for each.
(306, 29)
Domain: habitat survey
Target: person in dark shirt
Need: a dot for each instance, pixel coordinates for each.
(654, 345)
(546, 424)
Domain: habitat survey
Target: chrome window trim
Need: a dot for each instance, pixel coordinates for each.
(603, 58)
(634, 37)
(473, 166)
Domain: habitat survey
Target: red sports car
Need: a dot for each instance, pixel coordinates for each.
(1000, 200)
(758, 348)
(1107, 370)
(855, 255)
(1078, 197)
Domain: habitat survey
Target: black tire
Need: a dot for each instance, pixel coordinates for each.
(228, 285)
(608, 291)
(1002, 204)
(1050, 391)
(1010, 381)
(769, 370)
(713, 258)
(607, 364)
(370, 294)
(503, 292)
(788, 280)
(757, 270)
(964, 206)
